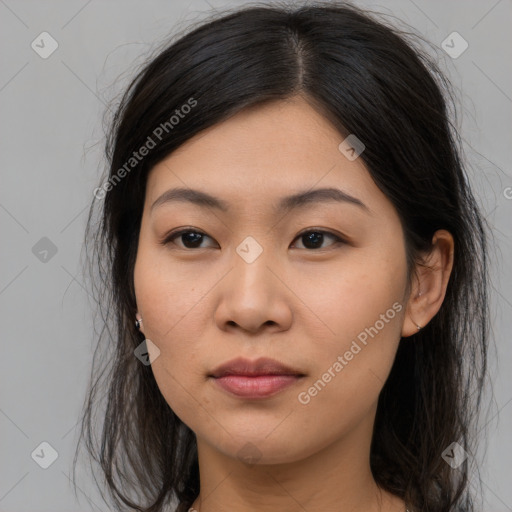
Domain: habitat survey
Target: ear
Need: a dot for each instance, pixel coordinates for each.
(431, 280)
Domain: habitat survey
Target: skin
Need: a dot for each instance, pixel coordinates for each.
(301, 305)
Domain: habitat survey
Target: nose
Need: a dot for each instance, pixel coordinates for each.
(254, 297)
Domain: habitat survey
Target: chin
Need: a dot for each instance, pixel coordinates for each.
(256, 449)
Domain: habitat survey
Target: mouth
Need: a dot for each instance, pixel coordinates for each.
(262, 378)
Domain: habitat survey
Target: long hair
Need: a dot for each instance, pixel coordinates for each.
(368, 79)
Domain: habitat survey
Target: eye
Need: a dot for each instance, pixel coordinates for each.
(190, 238)
(313, 238)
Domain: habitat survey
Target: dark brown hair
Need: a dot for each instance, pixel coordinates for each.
(371, 80)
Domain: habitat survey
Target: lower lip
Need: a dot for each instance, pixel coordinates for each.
(260, 386)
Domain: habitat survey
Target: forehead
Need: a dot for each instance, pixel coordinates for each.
(262, 154)
(264, 137)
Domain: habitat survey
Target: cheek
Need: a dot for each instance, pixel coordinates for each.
(352, 294)
(169, 301)
(168, 296)
(176, 375)
(360, 304)
(349, 371)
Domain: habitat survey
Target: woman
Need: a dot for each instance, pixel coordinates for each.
(293, 272)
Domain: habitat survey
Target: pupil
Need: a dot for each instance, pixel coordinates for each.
(192, 238)
(313, 237)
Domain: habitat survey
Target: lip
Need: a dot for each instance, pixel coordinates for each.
(261, 378)
(261, 386)
(246, 367)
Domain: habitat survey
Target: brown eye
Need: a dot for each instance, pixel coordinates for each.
(189, 238)
(314, 238)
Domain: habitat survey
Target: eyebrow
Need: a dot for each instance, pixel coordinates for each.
(295, 201)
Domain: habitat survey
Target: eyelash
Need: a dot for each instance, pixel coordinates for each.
(169, 238)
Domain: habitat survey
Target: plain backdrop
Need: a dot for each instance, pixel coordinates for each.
(51, 149)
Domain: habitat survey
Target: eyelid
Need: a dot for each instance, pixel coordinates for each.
(169, 237)
(337, 238)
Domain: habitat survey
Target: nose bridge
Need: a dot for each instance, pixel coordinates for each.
(251, 261)
(251, 295)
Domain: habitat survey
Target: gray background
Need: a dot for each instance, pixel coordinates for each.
(51, 143)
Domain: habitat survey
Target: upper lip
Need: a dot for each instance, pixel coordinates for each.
(262, 366)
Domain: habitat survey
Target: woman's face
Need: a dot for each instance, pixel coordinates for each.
(261, 281)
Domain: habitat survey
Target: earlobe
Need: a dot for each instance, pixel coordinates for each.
(138, 322)
(432, 274)
(411, 324)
